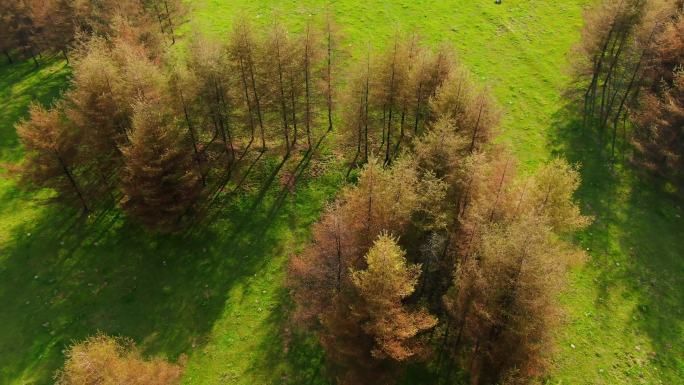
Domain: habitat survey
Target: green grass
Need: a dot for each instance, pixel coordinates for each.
(216, 293)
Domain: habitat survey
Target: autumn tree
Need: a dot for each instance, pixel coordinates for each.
(617, 52)
(387, 100)
(160, 182)
(50, 159)
(502, 305)
(17, 30)
(243, 49)
(108, 361)
(659, 115)
(54, 24)
(321, 278)
(383, 285)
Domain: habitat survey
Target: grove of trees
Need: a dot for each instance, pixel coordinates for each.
(441, 253)
(160, 134)
(632, 53)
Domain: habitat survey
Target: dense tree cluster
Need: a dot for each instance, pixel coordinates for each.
(158, 132)
(632, 54)
(441, 252)
(31, 27)
(446, 255)
(104, 360)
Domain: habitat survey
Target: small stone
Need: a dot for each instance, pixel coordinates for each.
(617, 263)
(35, 277)
(572, 346)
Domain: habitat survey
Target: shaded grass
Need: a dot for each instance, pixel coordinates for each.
(626, 305)
(216, 293)
(65, 277)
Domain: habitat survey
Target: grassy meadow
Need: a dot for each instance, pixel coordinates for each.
(214, 296)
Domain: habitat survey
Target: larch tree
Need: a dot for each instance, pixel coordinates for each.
(107, 361)
(383, 285)
(55, 24)
(659, 115)
(160, 181)
(51, 156)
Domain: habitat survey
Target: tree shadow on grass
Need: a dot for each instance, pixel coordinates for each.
(63, 278)
(635, 242)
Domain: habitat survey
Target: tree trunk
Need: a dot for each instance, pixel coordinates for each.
(247, 102)
(390, 105)
(250, 64)
(283, 108)
(293, 101)
(168, 17)
(72, 181)
(329, 78)
(477, 125)
(193, 138)
(307, 87)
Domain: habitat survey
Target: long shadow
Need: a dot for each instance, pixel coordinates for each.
(62, 283)
(296, 357)
(635, 241)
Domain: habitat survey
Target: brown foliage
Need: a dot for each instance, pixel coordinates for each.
(660, 115)
(383, 285)
(50, 159)
(159, 182)
(103, 360)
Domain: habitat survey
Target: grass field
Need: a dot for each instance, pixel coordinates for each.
(216, 294)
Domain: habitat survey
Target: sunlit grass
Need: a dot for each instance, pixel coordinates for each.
(217, 293)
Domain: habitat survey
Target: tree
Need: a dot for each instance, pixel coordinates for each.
(97, 107)
(159, 181)
(660, 114)
(17, 30)
(502, 305)
(50, 159)
(54, 23)
(103, 360)
(386, 281)
(471, 110)
(618, 48)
